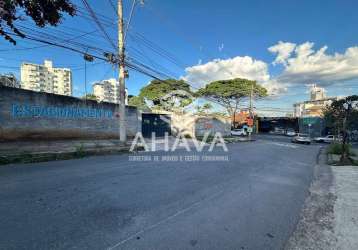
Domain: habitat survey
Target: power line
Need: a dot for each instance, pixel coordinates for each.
(56, 45)
(47, 35)
(94, 17)
(26, 48)
(157, 49)
(113, 7)
(130, 18)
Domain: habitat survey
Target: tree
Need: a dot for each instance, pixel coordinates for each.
(138, 102)
(42, 12)
(230, 93)
(89, 97)
(9, 80)
(198, 109)
(342, 115)
(206, 107)
(168, 93)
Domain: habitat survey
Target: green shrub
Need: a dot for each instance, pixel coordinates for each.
(336, 148)
(80, 152)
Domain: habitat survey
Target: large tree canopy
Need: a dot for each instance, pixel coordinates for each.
(42, 12)
(335, 113)
(138, 102)
(166, 92)
(230, 92)
(342, 115)
(89, 97)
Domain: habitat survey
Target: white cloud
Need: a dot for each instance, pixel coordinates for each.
(283, 51)
(306, 65)
(275, 88)
(237, 67)
(218, 69)
(302, 64)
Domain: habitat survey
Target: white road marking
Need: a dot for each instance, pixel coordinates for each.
(288, 145)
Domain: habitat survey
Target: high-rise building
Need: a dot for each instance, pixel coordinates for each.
(317, 93)
(46, 78)
(108, 91)
(315, 106)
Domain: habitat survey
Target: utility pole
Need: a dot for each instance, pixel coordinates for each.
(121, 79)
(251, 109)
(86, 81)
(251, 97)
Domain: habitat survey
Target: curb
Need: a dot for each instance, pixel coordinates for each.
(27, 157)
(314, 229)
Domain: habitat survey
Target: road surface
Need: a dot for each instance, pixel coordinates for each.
(251, 201)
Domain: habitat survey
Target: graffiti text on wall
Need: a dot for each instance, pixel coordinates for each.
(25, 111)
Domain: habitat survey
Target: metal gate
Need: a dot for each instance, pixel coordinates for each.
(155, 123)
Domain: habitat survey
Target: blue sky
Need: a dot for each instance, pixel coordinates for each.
(197, 32)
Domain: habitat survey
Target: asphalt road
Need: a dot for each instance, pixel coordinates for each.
(251, 201)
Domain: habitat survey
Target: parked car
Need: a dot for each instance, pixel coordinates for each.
(327, 139)
(238, 132)
(278, 131)
(290, 132)
(301, 138)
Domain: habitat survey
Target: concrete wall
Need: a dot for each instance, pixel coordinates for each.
(212, 125)
(194, 125)
(27, 115)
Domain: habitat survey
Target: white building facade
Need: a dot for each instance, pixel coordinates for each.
(108, 91)
(46, 78)
(315, 106)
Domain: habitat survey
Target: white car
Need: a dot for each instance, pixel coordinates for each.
(238, 132)
(326, 139)
(301, 138)
(290, 133)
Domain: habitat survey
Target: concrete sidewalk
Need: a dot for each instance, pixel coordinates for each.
(38, 151)
(329, 219)
(345, 187)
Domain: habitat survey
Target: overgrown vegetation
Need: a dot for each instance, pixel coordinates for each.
(80, 152)
(337, 149)
(342, 117)
(167, 93)
(43, 13)
(230, 93)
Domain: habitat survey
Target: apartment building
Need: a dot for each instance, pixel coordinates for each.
(108, 91)
(46, 78)
(315, 106)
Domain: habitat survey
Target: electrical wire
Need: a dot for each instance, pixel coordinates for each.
(99, 24)
(130, 18)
